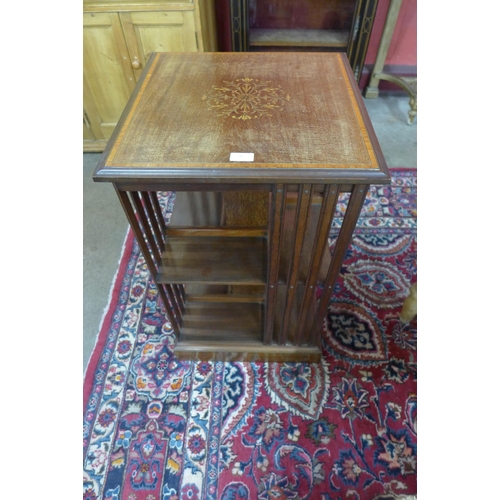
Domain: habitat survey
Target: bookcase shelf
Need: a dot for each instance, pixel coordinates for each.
(298, 38)
(213, 260)
(222, 321)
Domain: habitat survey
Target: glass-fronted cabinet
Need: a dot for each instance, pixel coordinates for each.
(304, 25)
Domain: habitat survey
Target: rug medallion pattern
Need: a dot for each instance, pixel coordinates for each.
(156, 428)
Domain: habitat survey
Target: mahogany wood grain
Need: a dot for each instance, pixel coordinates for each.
(225, 232)
(213, 260)
(305, 134)
(222, 322)
(238, 265)
(247, 351)
(302, 210)
(226, 297)
(277, 209)
(308, 244)
(245, 208)
(319, 247)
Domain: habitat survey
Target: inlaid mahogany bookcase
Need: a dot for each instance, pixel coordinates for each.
(257, 147)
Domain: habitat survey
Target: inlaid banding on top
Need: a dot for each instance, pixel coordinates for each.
(246, 98)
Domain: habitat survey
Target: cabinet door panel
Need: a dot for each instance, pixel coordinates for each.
(148, 32)
(108, 76)
(87, 133)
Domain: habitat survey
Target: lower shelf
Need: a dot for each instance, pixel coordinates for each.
(247, 352)
(222, 322)
(232, 331)
(299, 38)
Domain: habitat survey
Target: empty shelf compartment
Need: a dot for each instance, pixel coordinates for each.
(222, 322)
(214, 260)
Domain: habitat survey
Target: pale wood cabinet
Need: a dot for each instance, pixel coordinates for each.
(118, 39)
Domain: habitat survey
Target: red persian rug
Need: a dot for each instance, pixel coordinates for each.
(156, 428)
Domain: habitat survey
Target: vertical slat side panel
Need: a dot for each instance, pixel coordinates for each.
(275, 225)
(299, 230)
(136, 228)
(178, 298)
(180, 295)
(146, 228)
(182, 291)
(173, 307)
(354, 207)
(153, 220)
(330, 197)
(159, 229)
(178, 288)
(153, 195)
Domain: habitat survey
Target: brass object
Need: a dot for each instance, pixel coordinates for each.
(409, 84)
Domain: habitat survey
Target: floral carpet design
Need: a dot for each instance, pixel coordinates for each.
(156, 428)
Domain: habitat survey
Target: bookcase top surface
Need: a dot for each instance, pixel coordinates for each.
(271, 115)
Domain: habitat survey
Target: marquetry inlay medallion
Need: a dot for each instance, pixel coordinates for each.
(246, 98)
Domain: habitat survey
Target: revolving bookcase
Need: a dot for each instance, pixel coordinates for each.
(257, 148)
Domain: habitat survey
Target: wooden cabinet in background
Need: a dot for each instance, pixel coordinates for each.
(118, 38)
(304, 25)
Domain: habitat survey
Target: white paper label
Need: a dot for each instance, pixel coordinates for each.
(241, 157)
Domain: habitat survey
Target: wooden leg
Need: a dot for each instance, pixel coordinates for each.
(378, 67)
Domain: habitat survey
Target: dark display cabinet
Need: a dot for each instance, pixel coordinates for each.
(304, 25)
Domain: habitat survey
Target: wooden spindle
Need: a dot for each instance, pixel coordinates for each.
(153, 220)
(153, 195)
(330, 197)
(354, 207)
(139, 235)
(299, 231)
(173, 313)
(275, 224)
(139, 208)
